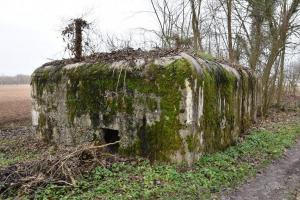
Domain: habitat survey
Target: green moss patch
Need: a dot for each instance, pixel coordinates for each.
(94, 89)
(219, 100)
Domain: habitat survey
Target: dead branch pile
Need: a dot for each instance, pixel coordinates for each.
(64, 168)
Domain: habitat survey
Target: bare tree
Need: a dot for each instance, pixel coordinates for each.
(278, 31)
(256, 36)
(195, 9)
(253, 32)
(292, 77)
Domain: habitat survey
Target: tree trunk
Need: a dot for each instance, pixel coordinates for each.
(78, 39)
(281, 77)
(229, 29)
(270, 97)
(266, 75)
(256, 42)
(195, 27)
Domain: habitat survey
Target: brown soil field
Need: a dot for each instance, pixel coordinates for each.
(15, 104)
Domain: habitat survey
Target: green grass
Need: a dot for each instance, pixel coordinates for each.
(203, 180)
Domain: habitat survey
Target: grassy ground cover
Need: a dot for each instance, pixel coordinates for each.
(204, 180)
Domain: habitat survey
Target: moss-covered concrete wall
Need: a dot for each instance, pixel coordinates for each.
(169, 109)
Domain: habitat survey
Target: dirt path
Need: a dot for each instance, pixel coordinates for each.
(281, 180)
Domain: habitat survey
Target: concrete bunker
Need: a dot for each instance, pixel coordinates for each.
(168, 107)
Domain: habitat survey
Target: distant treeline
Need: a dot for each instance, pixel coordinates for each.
(18, 79)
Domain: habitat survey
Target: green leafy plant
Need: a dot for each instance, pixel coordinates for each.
(204, 179)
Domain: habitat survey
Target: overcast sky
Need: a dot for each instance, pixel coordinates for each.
(30, 29)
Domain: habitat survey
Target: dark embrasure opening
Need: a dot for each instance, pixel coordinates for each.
(111, 136)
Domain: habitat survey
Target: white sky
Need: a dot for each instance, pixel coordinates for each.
(30, 29)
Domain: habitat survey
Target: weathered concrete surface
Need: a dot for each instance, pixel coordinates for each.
(172, 108)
